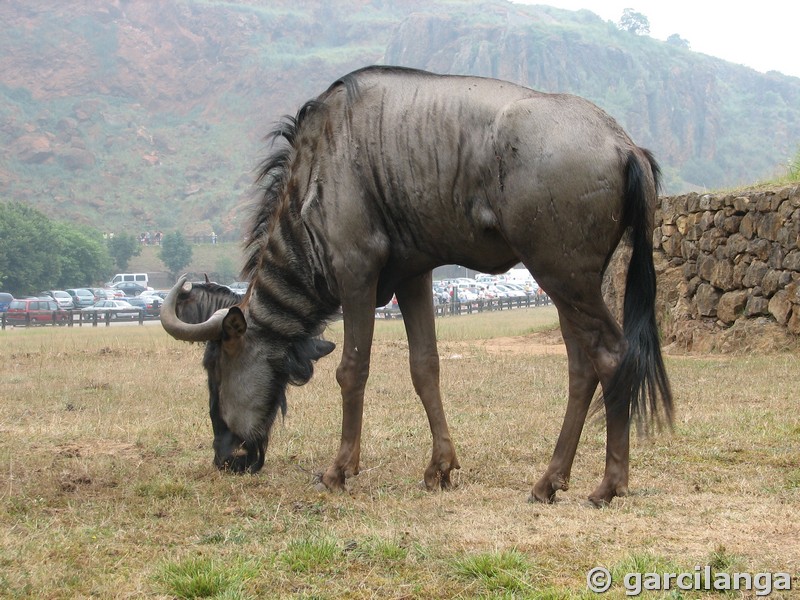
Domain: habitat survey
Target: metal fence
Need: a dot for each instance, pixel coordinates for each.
(70, 318)
(476, 306)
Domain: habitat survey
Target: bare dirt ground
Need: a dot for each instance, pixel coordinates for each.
(542, 343)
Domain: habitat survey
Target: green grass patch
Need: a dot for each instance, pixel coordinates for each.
(503, 571)
(200, 577)
(163, 490)
(308, 554)
(379, 551)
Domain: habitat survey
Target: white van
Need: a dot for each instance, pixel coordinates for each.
(140, 278)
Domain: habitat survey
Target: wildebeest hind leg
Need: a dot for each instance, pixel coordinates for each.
(594, 342)
(416, 303)
(615, 479)
(582, 384)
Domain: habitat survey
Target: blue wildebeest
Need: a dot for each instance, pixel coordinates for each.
(392, 172)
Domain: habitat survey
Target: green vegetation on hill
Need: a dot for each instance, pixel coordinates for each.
(37, 253)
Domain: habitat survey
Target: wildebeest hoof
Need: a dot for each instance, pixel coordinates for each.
(545, 489)
(318, 481)
(332, 480)
(439, 481)
(551, 499)
(604, 494)
(597, 502)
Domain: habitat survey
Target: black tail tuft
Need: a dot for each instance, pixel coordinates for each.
(640, 387)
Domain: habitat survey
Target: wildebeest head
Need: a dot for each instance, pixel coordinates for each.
(248, 371)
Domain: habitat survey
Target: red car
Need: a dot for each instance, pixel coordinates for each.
(35, 311)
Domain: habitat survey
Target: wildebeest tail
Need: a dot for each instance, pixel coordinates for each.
(640, 388)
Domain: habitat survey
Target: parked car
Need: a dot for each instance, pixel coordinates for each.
(130, 288)
(99, 293)
(240, 287)
(467, 295)
(498, 291)
(5, 300)
(155, 293)
(463, 293)
(113, 294)
(150, 304)
(81, 297)
(390, 311)
(140, 278)
(514, 290)
(63, 298)
(118, 309)
(35, 311)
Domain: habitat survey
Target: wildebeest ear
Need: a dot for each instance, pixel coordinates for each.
(234, 324)
(301, 357)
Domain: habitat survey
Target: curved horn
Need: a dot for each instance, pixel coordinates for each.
(189, 332)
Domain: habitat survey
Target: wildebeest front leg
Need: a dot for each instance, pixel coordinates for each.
(416, 303)
(359, 323)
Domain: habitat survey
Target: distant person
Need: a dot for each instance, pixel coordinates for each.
(213, 237)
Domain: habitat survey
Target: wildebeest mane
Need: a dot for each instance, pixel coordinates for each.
(351, 80)
(273, 172)
(272, 178)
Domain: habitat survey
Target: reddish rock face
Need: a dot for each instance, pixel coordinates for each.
(33, 148)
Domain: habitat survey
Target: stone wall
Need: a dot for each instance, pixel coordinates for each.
(729, 266)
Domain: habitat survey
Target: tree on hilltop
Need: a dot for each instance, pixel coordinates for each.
(175, 252)
(122, 248)
(676, 40)
(634, 22)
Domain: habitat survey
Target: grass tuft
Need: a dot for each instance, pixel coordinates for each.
(793, 480)
(643, 562)
(309, 554)
(199, 577)
(721, 560)
(503, 571)
(379, 551)
(163, 490)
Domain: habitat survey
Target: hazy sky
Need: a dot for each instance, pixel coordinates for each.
(763, 34)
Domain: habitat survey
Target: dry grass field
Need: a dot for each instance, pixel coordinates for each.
(107, 488)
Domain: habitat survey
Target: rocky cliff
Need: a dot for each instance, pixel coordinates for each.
(130, 115)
